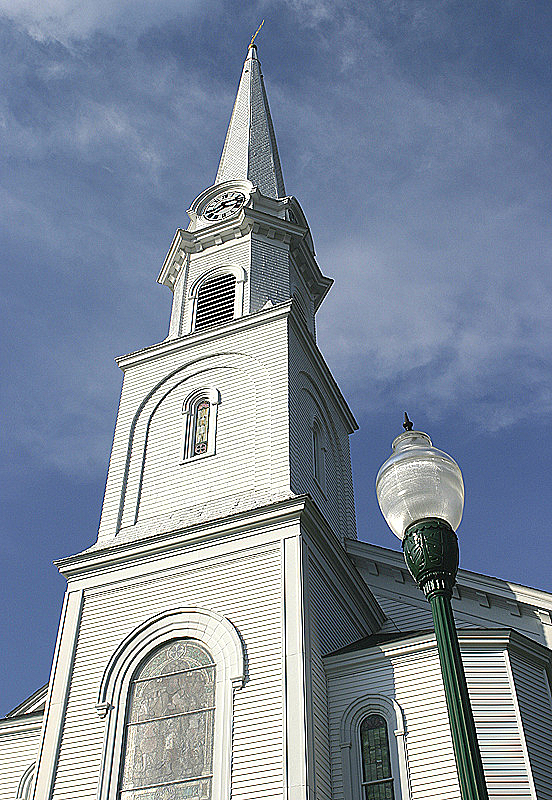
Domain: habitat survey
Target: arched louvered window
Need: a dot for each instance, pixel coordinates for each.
(377, 782)
(168, 751)
(215, 301)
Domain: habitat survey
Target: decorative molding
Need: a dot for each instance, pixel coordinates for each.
(222, 640)
(26, 782)
(190, 341)
(349, 740)
(474, 583)
(103, 709)
(58, 693)
(225, 269)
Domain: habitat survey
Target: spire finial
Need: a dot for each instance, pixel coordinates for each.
(252, 42)
(407, 424)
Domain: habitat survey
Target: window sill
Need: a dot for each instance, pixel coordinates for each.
(193, 459)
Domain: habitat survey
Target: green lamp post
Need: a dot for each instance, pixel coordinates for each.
(421, 495)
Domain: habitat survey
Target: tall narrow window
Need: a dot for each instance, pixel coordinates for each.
(169, 727)
(377, 783)
(318, 455)
(200, 408)
(215, 301)
(201, 427)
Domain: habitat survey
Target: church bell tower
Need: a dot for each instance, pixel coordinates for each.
(189, 655)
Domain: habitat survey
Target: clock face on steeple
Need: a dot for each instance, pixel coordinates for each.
(223, 205)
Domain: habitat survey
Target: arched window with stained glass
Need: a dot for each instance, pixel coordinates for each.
(201, 427)
(168, 751)
(377, 781)
(200, 408)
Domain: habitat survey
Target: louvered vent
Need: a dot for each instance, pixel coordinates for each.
(215, 302)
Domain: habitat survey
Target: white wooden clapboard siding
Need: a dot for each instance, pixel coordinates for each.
(415, 683)
(257, 420)
(270, 269)
(18, 750)
(310, 398)
(533, 694)
(413, 616)
(331, 626)
(413, 679)
(165, 477)
(496, 721)
(247, 591)
(235, 254)
(335, 625)
(322, 601)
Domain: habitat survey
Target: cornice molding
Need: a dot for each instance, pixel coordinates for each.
(191, 340)
(504, 590)
(248, 220)
(114, 554)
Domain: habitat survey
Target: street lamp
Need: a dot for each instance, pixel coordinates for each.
(421, 495)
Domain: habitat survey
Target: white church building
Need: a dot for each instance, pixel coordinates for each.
(227, 635)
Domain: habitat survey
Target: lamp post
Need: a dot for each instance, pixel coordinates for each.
(421, 495)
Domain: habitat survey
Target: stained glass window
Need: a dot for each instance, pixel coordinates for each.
(169, 727)
(377, 782)
(201, 427)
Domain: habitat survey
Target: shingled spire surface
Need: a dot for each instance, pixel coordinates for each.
(250, 149)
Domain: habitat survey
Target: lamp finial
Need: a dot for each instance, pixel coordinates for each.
(407, 424)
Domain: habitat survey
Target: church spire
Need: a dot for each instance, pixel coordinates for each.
(250, 149)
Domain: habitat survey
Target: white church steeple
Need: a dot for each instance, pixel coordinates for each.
(227, 502)
(244, 225)
(236, 408)
(250, 151)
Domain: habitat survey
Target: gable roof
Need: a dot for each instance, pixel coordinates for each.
(32, 705)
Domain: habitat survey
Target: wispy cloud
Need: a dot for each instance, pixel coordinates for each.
(64, 20)
(424, 180)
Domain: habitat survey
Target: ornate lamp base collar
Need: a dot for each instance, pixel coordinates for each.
(431, 553)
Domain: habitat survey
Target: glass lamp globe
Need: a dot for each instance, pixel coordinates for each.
(419, 481)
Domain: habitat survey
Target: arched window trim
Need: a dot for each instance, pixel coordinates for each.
(189, 410)
(25, 784)
(228, 269)
(220, 638)
(319, 455)
(351, 755)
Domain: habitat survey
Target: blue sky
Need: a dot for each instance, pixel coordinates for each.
(416, 136)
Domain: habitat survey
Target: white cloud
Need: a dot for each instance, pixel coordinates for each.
(65, 20)
(438, 342)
